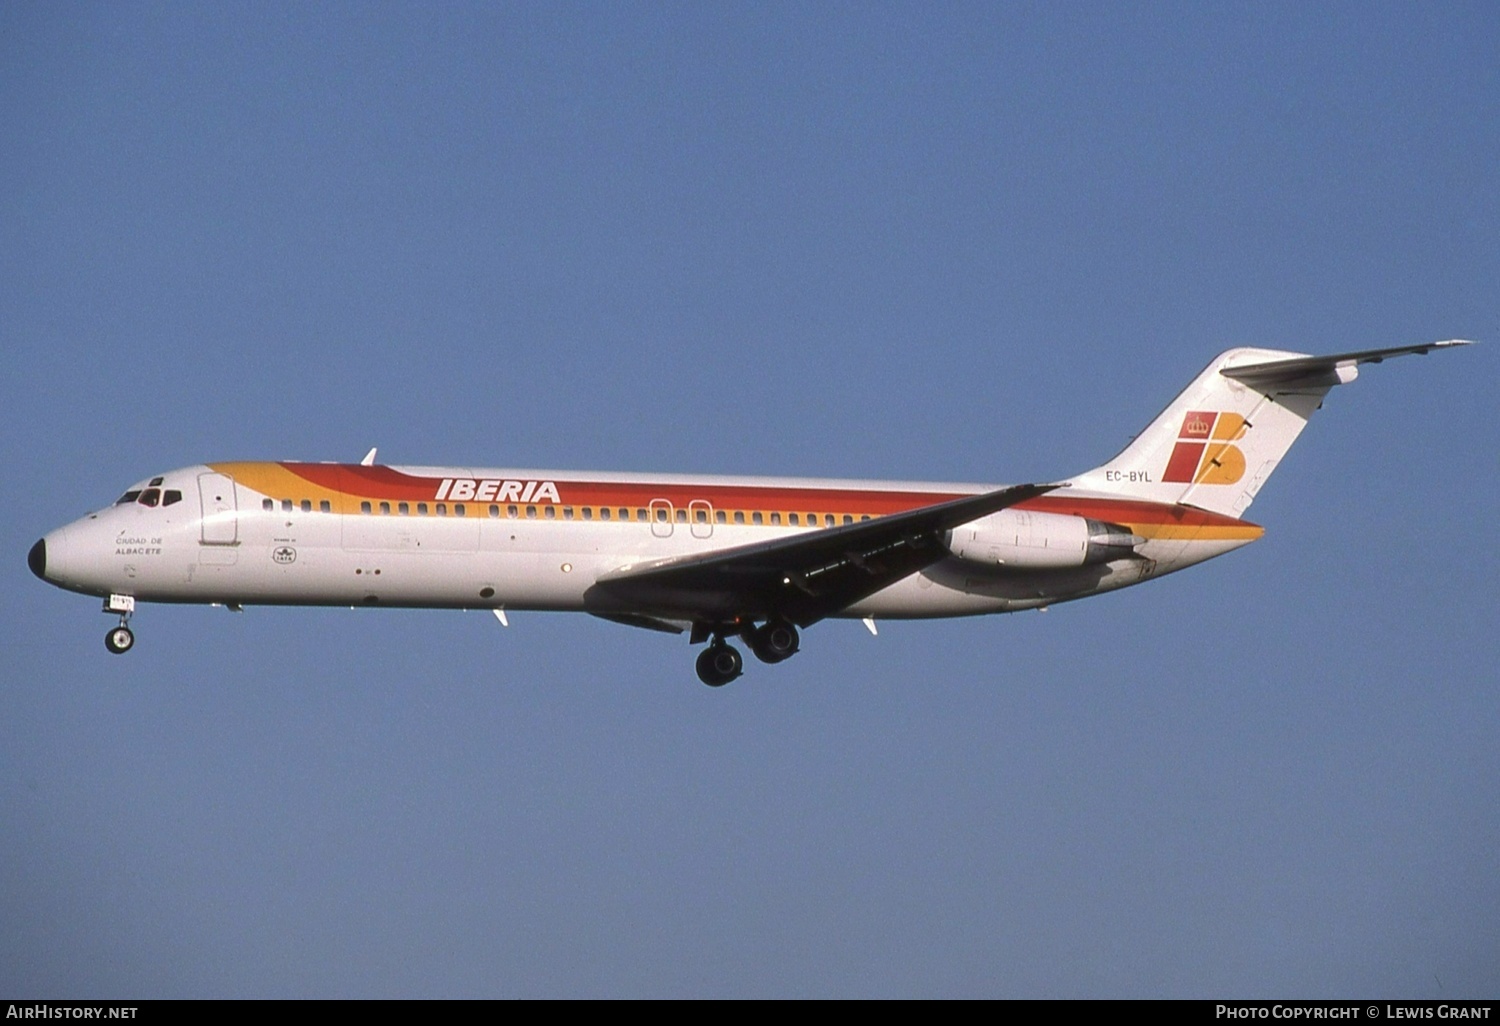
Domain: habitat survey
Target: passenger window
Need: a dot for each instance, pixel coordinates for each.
(588, 512)
(640, 514)
(792, 519)
(550, 512)
(269, 505)
(827, 519)
(720, 517)
(494, 512)
(385, 509)
(739, 516)
(567, 512)
(324, 506)
(512, 512)
(286, 505)
(661, 515)
(458, 509)
(404, 509)
(307, 505)
(682, 516)
(756, 518)
(701, 516)
(530, 512)
(421, 509)
(864, 516)
(364, 507)
(624, 513)
(441, 509)
(776, 518)
(604, 513)
(150, 497)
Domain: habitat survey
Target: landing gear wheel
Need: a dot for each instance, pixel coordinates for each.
(119, 640)
(774, 642)
(718, 664)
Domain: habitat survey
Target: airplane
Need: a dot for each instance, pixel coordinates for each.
(720, 558)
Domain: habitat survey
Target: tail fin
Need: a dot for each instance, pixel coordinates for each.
(1218, 442)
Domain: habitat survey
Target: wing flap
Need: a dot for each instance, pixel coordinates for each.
(649, 623)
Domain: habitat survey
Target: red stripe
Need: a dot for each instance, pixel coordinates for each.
(385, 483)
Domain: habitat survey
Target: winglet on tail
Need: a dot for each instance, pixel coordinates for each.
(1218, 442)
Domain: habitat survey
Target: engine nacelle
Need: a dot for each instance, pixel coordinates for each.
(1019, 539)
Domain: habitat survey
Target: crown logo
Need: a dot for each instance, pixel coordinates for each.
(1197, 424)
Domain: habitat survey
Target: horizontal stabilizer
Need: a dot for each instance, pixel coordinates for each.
(1337, 368)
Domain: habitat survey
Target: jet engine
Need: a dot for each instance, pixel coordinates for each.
(1019, 539)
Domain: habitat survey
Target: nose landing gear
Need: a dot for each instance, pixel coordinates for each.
(120, 639)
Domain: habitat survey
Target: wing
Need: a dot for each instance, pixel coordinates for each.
(801, 579)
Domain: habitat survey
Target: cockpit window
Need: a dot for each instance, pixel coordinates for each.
(170, 496)
(150, 497)
(128, 497)
(155, 482)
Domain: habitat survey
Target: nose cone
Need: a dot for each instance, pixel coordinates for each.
(75, 558)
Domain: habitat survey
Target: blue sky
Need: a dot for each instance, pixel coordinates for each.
(971, 242)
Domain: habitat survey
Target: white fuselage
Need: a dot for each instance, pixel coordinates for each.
(327, 534)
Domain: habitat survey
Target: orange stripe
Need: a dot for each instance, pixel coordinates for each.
(280, 481)
(346, 486)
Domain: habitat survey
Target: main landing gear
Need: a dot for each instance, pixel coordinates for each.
(776, 641)
(720, 662)
(120, 639)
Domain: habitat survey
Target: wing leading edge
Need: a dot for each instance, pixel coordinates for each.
(801, 579)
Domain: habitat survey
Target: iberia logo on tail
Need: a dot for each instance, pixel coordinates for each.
(1204, 453)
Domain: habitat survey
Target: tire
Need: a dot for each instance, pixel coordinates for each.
(775, 641)
(119, 640)
(718, 664)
